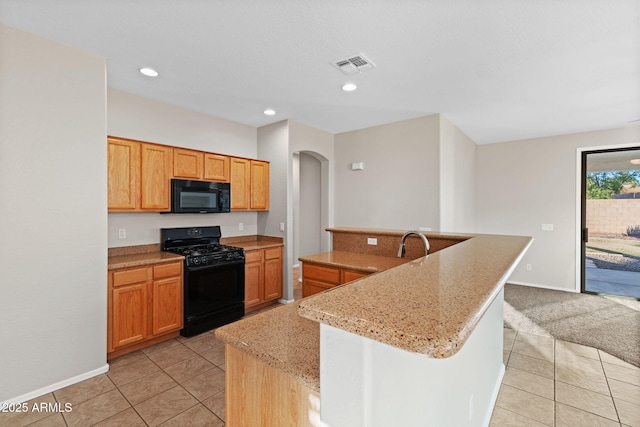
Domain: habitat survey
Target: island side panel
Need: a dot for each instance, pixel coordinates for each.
(385, 385)
(257, 394)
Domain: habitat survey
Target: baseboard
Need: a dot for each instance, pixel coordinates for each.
(56, 386)
(535, 285)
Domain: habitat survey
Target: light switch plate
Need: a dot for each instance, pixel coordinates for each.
(547, 227)
(372, 241)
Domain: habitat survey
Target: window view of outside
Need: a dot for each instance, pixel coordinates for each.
(613, 220)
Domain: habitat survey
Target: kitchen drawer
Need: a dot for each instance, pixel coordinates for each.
(350, 275)
(272, 253)
(167, 270)
(127, 277)
(254, 256)
(310, 287)
(325, 274)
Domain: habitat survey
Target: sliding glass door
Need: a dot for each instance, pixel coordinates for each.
(611, 222)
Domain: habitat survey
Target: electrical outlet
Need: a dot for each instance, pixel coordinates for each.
(547, 227)
(372, 241)
(241, 226)
(122, 233)
(424, 228)
(282, 226)
(528, 267)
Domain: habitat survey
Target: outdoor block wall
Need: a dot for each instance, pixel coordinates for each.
(612, 216)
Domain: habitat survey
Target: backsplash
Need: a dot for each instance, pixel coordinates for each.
(143, 228)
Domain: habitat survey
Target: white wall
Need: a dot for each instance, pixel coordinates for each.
(273, 143)
(399, 187)
(134, 117)
(53, 193)
(311, 231)
(319, 144)
(524, 184)
(458, 159)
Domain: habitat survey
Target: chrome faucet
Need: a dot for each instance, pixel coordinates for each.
(401, 249)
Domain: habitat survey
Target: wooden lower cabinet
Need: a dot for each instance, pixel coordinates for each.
(129, 314)
(262, 277)
(351, 275)
(145, 306)
(318, 278)
(257, 394)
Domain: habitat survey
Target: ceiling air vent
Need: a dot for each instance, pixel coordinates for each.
(354, 64)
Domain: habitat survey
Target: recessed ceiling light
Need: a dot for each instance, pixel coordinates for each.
(635, 161)
(149, 72)
(349, 87)
(269, 111)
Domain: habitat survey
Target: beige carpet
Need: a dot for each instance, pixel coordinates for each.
(607, 323)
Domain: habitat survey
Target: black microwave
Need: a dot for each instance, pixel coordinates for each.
(200, 196)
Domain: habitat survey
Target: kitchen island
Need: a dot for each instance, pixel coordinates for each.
(418, 344)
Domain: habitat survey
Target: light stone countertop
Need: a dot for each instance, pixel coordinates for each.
(430, 305)
(354, 261)
(281, 339)
(116, 262)
(251, 243)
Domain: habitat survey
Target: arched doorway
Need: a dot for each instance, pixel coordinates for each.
(310, 204)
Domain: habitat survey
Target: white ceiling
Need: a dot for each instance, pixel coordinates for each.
(500, 70)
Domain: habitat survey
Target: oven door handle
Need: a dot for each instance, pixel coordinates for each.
(220, 264)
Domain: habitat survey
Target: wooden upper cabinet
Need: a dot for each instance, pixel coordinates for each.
(187, 164)
(193, 164)
(140, 173)
(249, 184)
(216, 167)
(123, 174)
(240, 183)
(259, 185)
(155, 177)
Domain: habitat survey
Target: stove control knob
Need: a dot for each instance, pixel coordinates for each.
(196, 261)
(204, 259)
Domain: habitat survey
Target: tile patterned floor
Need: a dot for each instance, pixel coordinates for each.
(176, 383)
(550, 382)
(181, 383)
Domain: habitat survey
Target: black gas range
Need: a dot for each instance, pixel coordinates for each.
(208, 254)
(213, 277)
